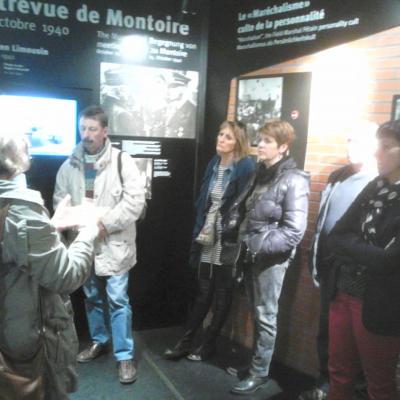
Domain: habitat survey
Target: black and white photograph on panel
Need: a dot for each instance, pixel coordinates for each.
(258, 100)
(285, 96)
(149, 102)
(145, 166)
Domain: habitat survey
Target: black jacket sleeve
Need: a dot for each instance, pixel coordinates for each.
(345, 240)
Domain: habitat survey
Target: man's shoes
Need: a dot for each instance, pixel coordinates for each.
(181, 349)
(127, 372)
(91, 352)
(250, 384)
(313, 394)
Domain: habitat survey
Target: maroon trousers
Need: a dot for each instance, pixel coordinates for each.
(353, 349)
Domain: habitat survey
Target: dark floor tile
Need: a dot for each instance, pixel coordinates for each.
(160, 379)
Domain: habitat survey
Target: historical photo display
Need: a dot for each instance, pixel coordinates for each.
(149, 102)
(145, 166)
(258, 100)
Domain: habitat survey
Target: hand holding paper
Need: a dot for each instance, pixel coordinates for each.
(75, 217)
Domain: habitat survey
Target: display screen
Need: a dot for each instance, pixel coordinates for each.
(49, 123)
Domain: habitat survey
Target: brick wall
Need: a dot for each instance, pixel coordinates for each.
(349, 82)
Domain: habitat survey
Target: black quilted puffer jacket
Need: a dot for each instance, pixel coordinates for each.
(273, 213)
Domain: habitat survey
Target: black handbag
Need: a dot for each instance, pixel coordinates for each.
(21, 380)
(230, 252)
(233, 253)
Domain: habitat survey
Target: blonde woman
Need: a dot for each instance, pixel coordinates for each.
(226, 175)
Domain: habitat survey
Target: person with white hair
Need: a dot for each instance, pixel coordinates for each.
(38, 342)
(344, 184)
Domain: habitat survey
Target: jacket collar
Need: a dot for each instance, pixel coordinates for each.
(9, 190)
(77, 158)
(265, 174)
(229, 168)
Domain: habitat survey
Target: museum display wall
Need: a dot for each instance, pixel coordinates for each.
(145, 63)
(351, 82)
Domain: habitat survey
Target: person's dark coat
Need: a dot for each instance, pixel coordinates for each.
(381, 300)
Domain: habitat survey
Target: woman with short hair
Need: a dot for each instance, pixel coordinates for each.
(275, 210)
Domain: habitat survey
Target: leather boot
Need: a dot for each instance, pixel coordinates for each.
(196, 316)
(182, 347)
(223, 301)
(203, 352)
(201, 305)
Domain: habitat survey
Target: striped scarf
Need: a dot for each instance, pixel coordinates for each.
(90, 172)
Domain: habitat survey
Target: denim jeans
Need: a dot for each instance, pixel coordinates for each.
(264, 286)
(108, 311)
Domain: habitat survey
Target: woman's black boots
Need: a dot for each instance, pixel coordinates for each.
(223, 301)
(182, 348)
(200, 308)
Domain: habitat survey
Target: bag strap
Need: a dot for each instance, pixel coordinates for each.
(143, 213)
(121, 179)
(3, 216)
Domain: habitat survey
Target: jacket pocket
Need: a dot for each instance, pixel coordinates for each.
(116, 193)
(120, 251)
(61, 342)
(115, 256)
(255, 243)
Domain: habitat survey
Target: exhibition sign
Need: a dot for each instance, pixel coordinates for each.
(247, 36)
(284, 30)
(73, 38)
